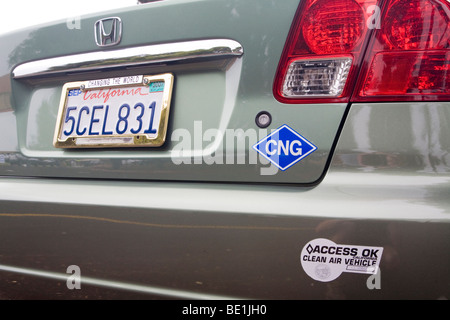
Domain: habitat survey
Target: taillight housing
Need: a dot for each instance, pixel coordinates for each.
(408, 58)
(393, 50)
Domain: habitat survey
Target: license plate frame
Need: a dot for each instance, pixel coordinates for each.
(89, 114)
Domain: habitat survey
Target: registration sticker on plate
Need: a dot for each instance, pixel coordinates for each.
(115, 112)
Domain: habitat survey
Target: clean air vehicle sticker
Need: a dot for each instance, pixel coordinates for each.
(323, 260)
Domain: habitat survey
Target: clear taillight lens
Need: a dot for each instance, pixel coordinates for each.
(316, 77)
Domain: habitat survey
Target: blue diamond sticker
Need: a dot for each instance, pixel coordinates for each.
(284, 147)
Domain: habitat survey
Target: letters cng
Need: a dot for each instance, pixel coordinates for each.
(284, 147)
(288, 147)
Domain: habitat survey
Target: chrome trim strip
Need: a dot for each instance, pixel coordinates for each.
(131, 57)
(180, 294)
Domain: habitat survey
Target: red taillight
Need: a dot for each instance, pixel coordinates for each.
(333, 27)
(325, 53)
(408, 58)
(416, 25)
(413, 74)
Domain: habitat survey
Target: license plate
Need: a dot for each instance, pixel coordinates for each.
(116, 112)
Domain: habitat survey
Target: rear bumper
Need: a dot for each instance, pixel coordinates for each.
(194, 241)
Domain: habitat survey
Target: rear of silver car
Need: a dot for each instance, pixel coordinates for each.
(294, 150)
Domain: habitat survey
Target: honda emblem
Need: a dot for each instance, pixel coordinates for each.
(103, 38)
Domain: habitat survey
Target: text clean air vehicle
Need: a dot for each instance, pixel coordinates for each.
(228, 149)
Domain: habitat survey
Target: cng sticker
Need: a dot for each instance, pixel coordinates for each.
(323, 260)
(284, 147)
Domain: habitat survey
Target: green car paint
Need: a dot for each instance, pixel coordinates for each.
(141, 224)
(225, 100)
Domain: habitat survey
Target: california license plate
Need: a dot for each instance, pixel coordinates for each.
(116, 112)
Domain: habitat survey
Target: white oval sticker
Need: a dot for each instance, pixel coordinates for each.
(323, 260)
